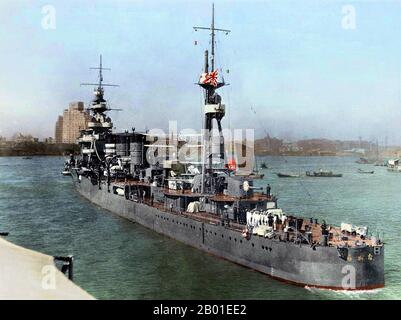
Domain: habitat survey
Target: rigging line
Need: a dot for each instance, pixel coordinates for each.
(281, 156)
(229, 108)
(94, 144)
(201, 108)
(307, 191)
(220, 61)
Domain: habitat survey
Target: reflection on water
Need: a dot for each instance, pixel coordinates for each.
(117, 259)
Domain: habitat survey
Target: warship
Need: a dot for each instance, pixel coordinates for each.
(208, 207)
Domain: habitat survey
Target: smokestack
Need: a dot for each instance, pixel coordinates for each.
(206, 61)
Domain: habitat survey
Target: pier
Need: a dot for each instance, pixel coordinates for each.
(29, 275)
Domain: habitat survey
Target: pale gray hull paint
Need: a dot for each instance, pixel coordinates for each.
(298, 264)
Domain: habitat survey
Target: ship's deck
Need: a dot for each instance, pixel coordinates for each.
(188, 193)
(336, 236)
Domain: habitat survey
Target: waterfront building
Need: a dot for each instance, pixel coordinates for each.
(58, 135)
(70, 124)
(21, 138)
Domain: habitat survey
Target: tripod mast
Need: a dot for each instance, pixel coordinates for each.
(213, 107)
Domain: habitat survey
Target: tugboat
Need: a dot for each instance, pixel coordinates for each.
(394, 165)
(210, 209)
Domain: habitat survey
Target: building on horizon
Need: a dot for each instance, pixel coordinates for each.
(21, 138)
(69, 125)
(58, 135)
(49, 140)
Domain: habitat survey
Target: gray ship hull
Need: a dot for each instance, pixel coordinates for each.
(299, 264)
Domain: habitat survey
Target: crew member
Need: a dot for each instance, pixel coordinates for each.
(270, 220)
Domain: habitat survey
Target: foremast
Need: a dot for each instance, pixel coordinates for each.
(213, 108)
(100, 124)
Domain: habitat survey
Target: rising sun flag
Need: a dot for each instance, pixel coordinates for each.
(209, 78)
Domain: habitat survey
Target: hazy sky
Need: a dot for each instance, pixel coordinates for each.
(303, 73)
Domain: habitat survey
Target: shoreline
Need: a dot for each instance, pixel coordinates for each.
(27, 149)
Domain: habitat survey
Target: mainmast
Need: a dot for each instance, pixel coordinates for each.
(213, 35)
(211, 82)
(214, 109)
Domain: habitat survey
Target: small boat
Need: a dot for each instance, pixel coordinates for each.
(287, 175)
(263, 166)
(66, 171)
(394, 165)
(363, 161)
(323, 174)
(365, 171)
(256, 175)
(27, 158)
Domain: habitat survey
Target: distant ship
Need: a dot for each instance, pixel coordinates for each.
(287, 175)
(364, 161)
(366, 171)
(213, 210)
(394, 165)
(323, 174)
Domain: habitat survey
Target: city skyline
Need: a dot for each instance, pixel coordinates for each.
(294, 71)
